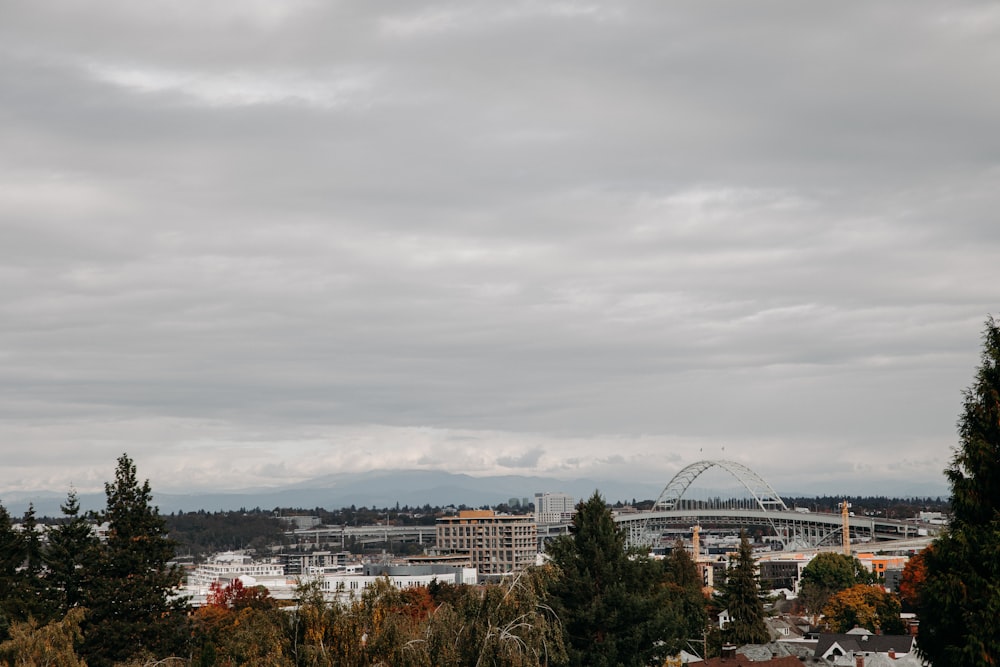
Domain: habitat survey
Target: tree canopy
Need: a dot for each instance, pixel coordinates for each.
(913, 579)
(959, 600)
(829, 573)
(129, 594)
(864, 606)
(12, 552)
(617, 606)
(72, 548)
(740, 594)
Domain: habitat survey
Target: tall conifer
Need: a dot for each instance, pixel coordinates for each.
(615, 603)
(959, 601)
(741, 596)
(130, 586)
(33, 597)
(72, 546)
(11, 558)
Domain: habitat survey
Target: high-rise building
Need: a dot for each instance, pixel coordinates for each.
(497, 544)
(554, 507)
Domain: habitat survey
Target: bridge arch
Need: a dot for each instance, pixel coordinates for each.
(764, 495)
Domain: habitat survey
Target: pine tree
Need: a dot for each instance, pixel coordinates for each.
(11, 558)
(960, 597)
(33, 597)
(614, 603)
(741, 596)
(72, 545)
(130, 584)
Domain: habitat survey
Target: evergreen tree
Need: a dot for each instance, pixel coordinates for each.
(129, 587)
(740, 595)
(72, 545)
(614, 603)
(11, 558)
(959, 600)
(33, 597)
(687, 593)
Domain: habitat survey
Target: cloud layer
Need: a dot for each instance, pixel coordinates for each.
(255, 242)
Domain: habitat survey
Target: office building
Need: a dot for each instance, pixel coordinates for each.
(497, 544)
(554, 507)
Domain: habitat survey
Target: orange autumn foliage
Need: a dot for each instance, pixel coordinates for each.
(913, 578)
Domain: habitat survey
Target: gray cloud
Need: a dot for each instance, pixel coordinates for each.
(528, 459)
(492, 238)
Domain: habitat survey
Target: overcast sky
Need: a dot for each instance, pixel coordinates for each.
(255, 242)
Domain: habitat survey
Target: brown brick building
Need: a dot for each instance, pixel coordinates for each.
(497, 544)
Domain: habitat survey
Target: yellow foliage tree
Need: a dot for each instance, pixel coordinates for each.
(50, 645)
(863, 606)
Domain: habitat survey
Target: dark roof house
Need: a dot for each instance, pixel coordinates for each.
(730, 658)
(761, 652)
(831, 646)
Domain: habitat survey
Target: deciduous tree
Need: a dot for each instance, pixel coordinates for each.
(52, 644)
(959, 601)
(864, 606)
(913, 579)
(257, 637)
(686, 593)
(506, 624)
(829, 573)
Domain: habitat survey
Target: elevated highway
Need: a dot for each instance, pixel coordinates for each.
(793, 529)
(342, 536)
(762, 507)
(673, 513)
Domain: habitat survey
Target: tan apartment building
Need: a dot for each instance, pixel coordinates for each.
(497, 544)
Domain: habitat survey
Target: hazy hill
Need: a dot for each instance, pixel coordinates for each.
(371, 489)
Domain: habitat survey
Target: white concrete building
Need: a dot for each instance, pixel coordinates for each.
(352, 584)
(554, 507)
(337, 582)
(229, 565)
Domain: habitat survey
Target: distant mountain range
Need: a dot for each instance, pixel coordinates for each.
(370, 489)
(385, 488)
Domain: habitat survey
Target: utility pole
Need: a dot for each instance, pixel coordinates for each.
(704, 644)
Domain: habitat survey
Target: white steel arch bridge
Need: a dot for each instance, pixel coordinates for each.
(794, 528)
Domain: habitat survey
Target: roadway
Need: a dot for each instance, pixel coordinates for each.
(792, 527)
(801, 529)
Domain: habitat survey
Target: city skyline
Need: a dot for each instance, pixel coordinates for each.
(253, 244)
